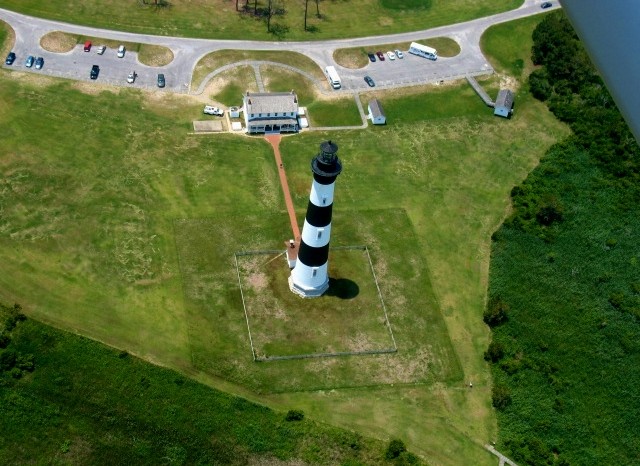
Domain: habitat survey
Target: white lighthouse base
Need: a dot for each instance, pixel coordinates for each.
(313, 292)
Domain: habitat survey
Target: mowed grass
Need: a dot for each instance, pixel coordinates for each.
(90, 224)
(218, 18)
(334, 112)
(229, 86)
(278, 79)
(508, 46)
(218, 330)
(348, 318)
(220, 58)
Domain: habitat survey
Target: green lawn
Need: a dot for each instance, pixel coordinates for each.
(92, 240)
(218, 18)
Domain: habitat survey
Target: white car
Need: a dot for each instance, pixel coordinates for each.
(132, 77)
(100, 50)
(209, 110)
(391, 55)
(121, 51)
(399, 54)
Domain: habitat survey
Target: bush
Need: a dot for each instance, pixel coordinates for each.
(396, 448)
(496, 312)
(494, 353)
(294, 415)
(7, 360)
(500, 397)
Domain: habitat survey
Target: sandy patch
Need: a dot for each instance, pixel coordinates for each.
(58, 42)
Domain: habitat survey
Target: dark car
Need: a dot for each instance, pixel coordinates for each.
(161, 81)
(546, 5)
(372, 57)
(380, 55)
(39, 63)
(29, 61)
(10, 58)
(95, 70)
(369, 81)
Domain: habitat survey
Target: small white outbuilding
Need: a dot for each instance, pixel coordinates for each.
(376, 113)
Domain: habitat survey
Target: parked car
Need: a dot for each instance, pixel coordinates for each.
(132, 77)
(391, 55)
(209, 110)
(380, 55)
(369, 81)
(10, 58)
(399, 54)
(87, 46)
(100, 50)
(372, 57)
(121, 51)
(95, 71)
(29, 61)
(546, 5)
(39, 63)
(161, 81)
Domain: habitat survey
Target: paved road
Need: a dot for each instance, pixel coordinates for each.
(187, 52)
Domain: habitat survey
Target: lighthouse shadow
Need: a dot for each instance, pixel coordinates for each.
(342, 288)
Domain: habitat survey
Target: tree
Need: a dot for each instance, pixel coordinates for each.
(500, 397)
(496, 312)
(396, 448)
(306, 8)
(294, 415)
(318, 8)
(494, 353)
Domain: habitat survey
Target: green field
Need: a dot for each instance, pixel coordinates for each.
(218, 18)
(94, 229)
(68, 400)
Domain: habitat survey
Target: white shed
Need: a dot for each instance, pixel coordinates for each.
(376, 113)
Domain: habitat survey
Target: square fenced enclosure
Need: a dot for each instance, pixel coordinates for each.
(218, 338)
(348, 320)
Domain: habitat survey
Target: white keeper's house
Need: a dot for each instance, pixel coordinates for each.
(271, 112)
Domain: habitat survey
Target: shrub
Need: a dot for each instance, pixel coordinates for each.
(496, 312)
(7, 360)
(396, 448)
(500, 397)
(294, 415)
(494, 353)
(5, 339)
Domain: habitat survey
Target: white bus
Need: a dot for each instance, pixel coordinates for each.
(332, 76)
(423, 51)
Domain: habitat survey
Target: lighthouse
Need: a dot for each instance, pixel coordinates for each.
(310, 277)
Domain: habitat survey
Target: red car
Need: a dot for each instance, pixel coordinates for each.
(380, 55)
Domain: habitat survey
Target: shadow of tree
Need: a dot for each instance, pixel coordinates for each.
(342, 288)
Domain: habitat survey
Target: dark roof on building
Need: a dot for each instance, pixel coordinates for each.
(271, 102)
(376, 108)
(504, 99)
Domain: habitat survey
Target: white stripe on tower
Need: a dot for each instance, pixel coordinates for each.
(310, 278)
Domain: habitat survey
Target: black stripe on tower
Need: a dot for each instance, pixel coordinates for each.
(324, 179)
(318, 216)
(313, 257)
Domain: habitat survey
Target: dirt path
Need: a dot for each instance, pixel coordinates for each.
(274, 140)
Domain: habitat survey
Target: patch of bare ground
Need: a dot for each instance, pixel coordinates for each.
(155, 55)
(92, 89)
(508, 82)
(58, 42)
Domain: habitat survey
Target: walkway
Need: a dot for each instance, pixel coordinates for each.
(274, 140)
(480, 91)
(503, 459)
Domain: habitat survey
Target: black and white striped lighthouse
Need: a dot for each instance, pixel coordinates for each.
(310, 278)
